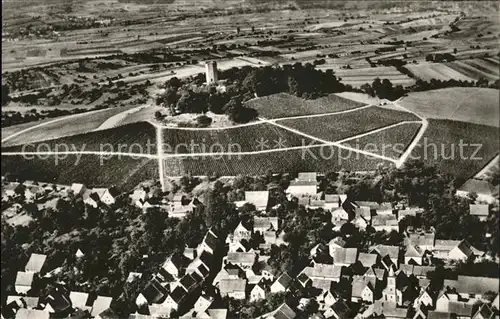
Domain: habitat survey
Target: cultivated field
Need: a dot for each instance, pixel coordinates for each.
(319, 159)
(286, 105)
(391, 142)
(337, 127)
(358, 77)
(438, 71)
(486, 68)
(473, 105)
(440, 146)
(239, 139)
(133, 138)
(92, 170)
(59, 127)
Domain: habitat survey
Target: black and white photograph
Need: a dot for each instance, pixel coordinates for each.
(250, 159)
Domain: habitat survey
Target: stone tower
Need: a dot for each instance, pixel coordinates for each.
(211, 72)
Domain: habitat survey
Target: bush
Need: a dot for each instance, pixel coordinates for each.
(203, 121)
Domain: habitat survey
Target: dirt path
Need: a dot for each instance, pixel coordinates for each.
(326, 143)
(118, 118)
(490, 166)
(416, 140)
(49, 122)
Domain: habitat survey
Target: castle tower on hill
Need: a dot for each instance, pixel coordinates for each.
(211, 72)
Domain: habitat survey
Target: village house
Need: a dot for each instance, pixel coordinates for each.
(175, 265)
(107, 196)
(78, 189)
(175, 298)
(100, 305)
(423, 239)
(233, 288)
(306, 184)
(321, 273)
(281, 284)
(326, 299)
(243, 260)
(391, 252)
(385, 223)
(258, 292)
(414, 255)
(345, 256)
(485, 191)
(239, 233)
(208, 244)
(368, 260)
(35, 263)
(362, 290)
(334, 244)
(481, 211)
(90, 198)
(339, 215)
(425, 299)
(32, 314)
(332, 201)
(24, 281)
(259, 199)
(402, 213)
(263, 224)
(339, 310)
(452, 249)
(203, 303)
(282, 312)
(79, 300)
(33, 193)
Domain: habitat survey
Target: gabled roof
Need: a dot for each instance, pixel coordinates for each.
(188, 282)
(460, 308)
(109, 314)
(265, 223)
(485, 311)
(78, 299)
(439, 315)
(384, 220)
(363, 211)
(359, 285)
(345, 255)
(386, 250)
(338, 241)
(258, 198)
(479, 187)
(178, 260)
(479, 210)
(154, 291)
(324, 271)
(101, 304)
(178, 294)
(303, 183)
(332, 198)
(32, 314)
(241, 258)
(35, 263)
(284, 280)
(413, 251)
(308, 176)
(232, 285)
(422, 238)
(24, 278)
(217, 313)
(211, 240)
(282, 312)
(476, 285)
(367, 260)
(341, 309)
